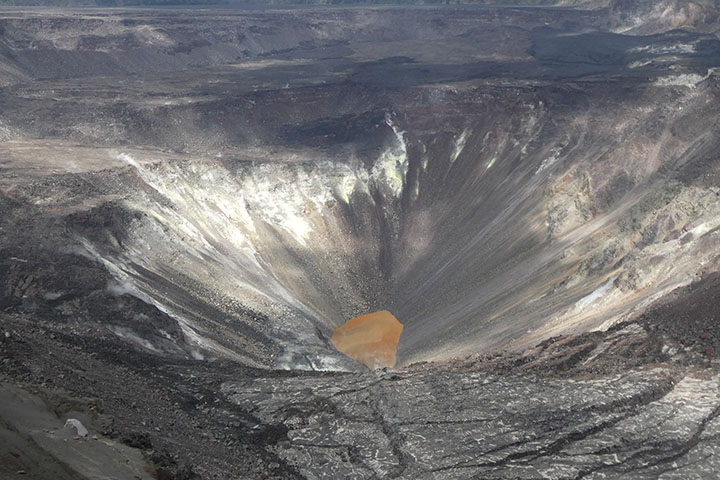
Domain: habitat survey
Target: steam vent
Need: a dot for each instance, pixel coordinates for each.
(370, 339)
(194, 198)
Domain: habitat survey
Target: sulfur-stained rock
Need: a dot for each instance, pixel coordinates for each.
(370, 339)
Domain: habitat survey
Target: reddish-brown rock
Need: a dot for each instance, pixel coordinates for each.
(370, 339)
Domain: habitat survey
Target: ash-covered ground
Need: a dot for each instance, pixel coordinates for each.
(191, 201)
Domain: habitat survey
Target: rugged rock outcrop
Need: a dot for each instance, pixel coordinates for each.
(644, 17)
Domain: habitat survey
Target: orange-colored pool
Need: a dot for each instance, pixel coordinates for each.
(370, 339)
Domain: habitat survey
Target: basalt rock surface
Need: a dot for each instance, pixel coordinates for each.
(192, 201)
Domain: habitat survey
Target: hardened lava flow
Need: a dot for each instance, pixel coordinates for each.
(519, 207)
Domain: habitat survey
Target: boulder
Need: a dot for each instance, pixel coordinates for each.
(74, 423)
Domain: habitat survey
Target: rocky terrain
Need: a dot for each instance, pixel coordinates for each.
(191, 201)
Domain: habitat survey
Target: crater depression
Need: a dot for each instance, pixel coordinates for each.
(193, 203)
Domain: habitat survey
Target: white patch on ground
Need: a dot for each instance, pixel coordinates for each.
(701, 230)
(165, 334)
(677, 49)
(640, 63)
(52, 295)
(346, 186)
(549, 161)
(298, 359)
(690, 80)
(79, 251)
(74, 423)
(118, 289)
(124, 157)
(595, 296)
(6, 133)
(531, 126)
(392, 166)
(285, 204)
(459, 145)
(424, 157)
(153, 36)
(133, 337)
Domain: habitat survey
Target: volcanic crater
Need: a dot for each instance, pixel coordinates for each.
(194, 201)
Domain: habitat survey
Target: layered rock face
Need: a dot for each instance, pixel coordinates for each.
(213, 193)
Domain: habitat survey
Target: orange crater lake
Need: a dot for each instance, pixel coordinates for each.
(371, 339)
